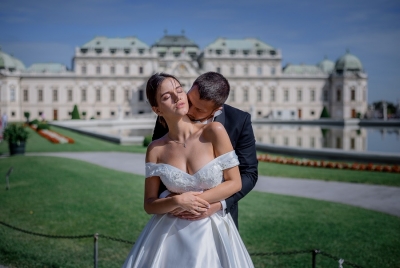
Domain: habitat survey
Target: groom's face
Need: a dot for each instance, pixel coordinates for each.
(199, 110)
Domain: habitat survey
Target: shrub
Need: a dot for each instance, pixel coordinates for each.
(41, 126)
(27, 114)
(15, 134)
(75, 113)
(325, 113)
(34, 122)
(147, 140)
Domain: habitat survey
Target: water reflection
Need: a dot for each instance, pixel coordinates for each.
(350, 138)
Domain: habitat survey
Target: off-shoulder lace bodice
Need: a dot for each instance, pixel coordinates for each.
(207, 177)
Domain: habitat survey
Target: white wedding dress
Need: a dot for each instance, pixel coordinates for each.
(168, 241)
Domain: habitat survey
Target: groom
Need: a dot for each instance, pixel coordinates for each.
(206, 104)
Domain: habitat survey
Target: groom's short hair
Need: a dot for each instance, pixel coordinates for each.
(214, 87)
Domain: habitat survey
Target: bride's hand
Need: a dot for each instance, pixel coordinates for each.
(191, 202)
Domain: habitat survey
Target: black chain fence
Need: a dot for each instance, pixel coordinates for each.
(314, 252)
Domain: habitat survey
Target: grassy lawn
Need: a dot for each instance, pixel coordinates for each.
(292, 171)
(68, 197)
(83, 143)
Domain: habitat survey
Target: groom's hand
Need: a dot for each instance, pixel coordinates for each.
(214, 207)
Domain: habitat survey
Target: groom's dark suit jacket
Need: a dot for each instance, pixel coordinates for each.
(238, 125)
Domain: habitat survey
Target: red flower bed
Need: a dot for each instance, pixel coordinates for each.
(328, 164)
(53, 136)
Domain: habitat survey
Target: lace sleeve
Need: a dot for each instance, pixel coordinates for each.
(152, 169)
(228, 160)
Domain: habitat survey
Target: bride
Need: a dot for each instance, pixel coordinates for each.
(198, 163)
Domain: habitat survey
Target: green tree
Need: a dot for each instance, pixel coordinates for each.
(27, 115)
(75, 113)
(325, 113)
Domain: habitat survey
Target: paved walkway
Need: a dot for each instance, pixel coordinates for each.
(380, 198)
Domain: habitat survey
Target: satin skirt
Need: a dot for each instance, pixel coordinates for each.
(168, 241)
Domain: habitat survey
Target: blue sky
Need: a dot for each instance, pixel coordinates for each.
(305, 31)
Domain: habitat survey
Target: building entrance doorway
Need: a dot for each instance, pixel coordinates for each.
(55, 114)
(299, 113)
(353, 113)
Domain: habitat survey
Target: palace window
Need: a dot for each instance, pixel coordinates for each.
(112, 69)
(141, 50)
(83, 97)
(127, 113)
(299, 95)
(83, 69)
(141, 95)
(40, 95)
(246, 70)
(112, 113)
(55, 95)
(312, 142)
(98, 113)
(338, 95)
(245, 95)
(352, 143)
(273, 70)
(232, 70)
(126, 95)
(98, 95)
(365, 94)
(69, 94)
(112, 95)
(259, 70)
(272, 94)
(232, 52)
(232, 95)
(326, 96)
(286, 95)
(126, 69)
(299, 141)
(26, 98)
(312, 95)
(338, 143)
(218, 69)
(272, 140)
(312, 112)
(259, 95)
(12, 94)
(98, 70)
(285, 141)
(12, 114)
(353, 94)
(141, 70)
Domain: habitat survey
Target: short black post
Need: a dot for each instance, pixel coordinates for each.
(314, 257)
(96, 248)
(7, 178)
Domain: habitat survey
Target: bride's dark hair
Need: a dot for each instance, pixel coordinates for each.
(152, 86)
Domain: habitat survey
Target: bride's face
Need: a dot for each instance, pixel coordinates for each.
(171, 99)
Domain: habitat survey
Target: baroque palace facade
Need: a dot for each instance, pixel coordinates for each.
(109, 76)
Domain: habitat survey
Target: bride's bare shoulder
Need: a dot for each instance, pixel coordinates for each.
(155, 149)
(213, 129)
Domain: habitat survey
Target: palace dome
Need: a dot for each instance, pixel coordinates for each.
(348, 62)
(10, 63)
(326, 66)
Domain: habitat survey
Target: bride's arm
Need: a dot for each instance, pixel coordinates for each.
(216, 133)
(154, 205)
